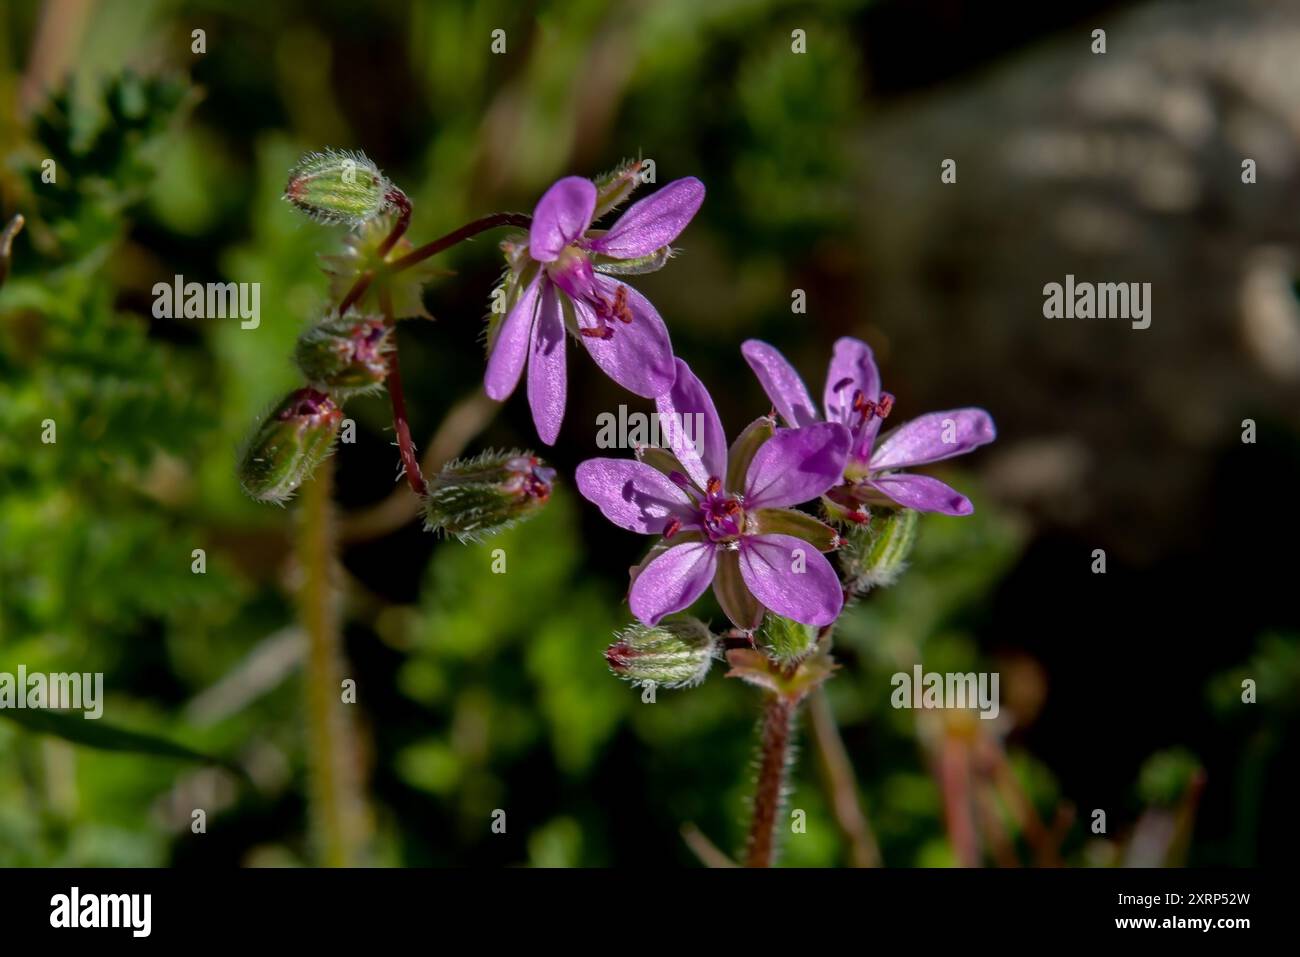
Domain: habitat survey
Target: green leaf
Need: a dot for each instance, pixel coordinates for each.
(74, 727)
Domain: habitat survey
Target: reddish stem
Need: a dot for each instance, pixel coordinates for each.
(774, 748)
(357, 291)
(406, 447)
(398, 199)
(460, 235)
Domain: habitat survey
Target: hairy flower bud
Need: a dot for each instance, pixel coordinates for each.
(676, 653)
(339, 187)
(785, 640)
(345, 355)
(474, 499)
(288, 445)
(876, 551)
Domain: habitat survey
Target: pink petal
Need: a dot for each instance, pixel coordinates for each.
(561, 217)
(932, 437)
(791, 578)
(639, 355)
(653, 222)
(691, 429)
(672, 581)
(796, 465)
(546, 373)
(853, 370)
(510, 350)
(781, 383)
(633, 495)
(922, 493)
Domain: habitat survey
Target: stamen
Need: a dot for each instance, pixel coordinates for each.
(886, 405)
(713, 486)
(672, 528)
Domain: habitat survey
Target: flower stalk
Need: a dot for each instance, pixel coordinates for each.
(775, 745)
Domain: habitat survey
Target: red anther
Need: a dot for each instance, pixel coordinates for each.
(600, 332)
(672, 528)
(885, 406)
(713, 486)
(620, 309)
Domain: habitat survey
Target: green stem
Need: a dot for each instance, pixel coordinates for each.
(338, 809)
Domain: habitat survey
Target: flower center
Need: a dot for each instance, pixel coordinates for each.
(572, 272)
(721, 513)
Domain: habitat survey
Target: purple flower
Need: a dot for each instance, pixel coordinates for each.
(874, 472)
(724, 516)
(565, 277)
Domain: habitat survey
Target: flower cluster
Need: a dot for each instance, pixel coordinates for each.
(730, 517)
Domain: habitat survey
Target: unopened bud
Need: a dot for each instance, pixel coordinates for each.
(616, 186)
(345, 355)
(785, 640)
(339, 187)
(473, 499)
(288, 445)
(876, 551)
(676, 653)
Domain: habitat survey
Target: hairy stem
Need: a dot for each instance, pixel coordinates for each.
(405, 446)
(840, 783)
(338, 810)
(775, 734)
(424, 252)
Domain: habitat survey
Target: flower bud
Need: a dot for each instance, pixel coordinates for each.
(785, 640)
(476, 498)
(339, 187)
(345, 355)
(676, 653)
(288, 445)
(877, 550)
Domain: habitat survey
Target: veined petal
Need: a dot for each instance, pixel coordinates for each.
(852, 370)
(639, 355)
(634, 495)
(561, 216)
(796, 465)
(691, 429)
(932, 437)
(923, 493)
(653, 222)
(781, 383)
(546, 372)
(791, 578)
(672, 581)
(510, 351)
